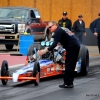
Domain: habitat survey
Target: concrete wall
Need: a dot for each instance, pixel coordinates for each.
(90, 39)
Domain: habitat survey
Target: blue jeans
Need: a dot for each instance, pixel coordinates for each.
(79, 36)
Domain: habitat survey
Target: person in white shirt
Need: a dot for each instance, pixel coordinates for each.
(79, 28)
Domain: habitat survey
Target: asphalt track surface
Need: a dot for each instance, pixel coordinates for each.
(85, 87)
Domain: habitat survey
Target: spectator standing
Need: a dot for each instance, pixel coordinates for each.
(65, 22)
(95, 28)
(79, 28)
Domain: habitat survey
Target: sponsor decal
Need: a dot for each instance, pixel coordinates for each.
(58, 67)
(52, 68)
(48, 70)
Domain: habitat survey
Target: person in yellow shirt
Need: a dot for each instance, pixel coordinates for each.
(65, 22)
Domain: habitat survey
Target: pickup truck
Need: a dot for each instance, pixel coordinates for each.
(18, 20)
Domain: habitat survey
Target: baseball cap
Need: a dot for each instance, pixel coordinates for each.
(64, 13)
(80, 16)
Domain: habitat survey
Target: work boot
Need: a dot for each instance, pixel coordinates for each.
(66, 86)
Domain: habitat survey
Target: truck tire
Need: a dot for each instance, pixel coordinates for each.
(29, 31)
(84, 55)
(4, 72)
(9, 47)
(36, 70)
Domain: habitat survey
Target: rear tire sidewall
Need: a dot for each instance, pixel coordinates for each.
(84, 55)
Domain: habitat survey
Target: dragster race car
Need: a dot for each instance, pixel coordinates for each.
(50, 64)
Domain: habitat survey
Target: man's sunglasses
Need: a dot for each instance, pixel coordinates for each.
(50, 27)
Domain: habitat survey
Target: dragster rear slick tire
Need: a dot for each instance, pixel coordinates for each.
(9, 47)
(36, 73)
(84, 55)
(4, 72)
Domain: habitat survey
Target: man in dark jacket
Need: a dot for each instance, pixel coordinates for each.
(65, 22)
(95, 28)
(71, 45)
(79, 28)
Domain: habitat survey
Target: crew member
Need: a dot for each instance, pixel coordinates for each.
(79, 28)
(95, 28)
(72, 46)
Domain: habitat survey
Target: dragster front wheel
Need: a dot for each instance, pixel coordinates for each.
(36, 72)
(4, 72)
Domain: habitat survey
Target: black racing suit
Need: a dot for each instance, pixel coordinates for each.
(65, 23)
(95, 27)
(72, 46)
